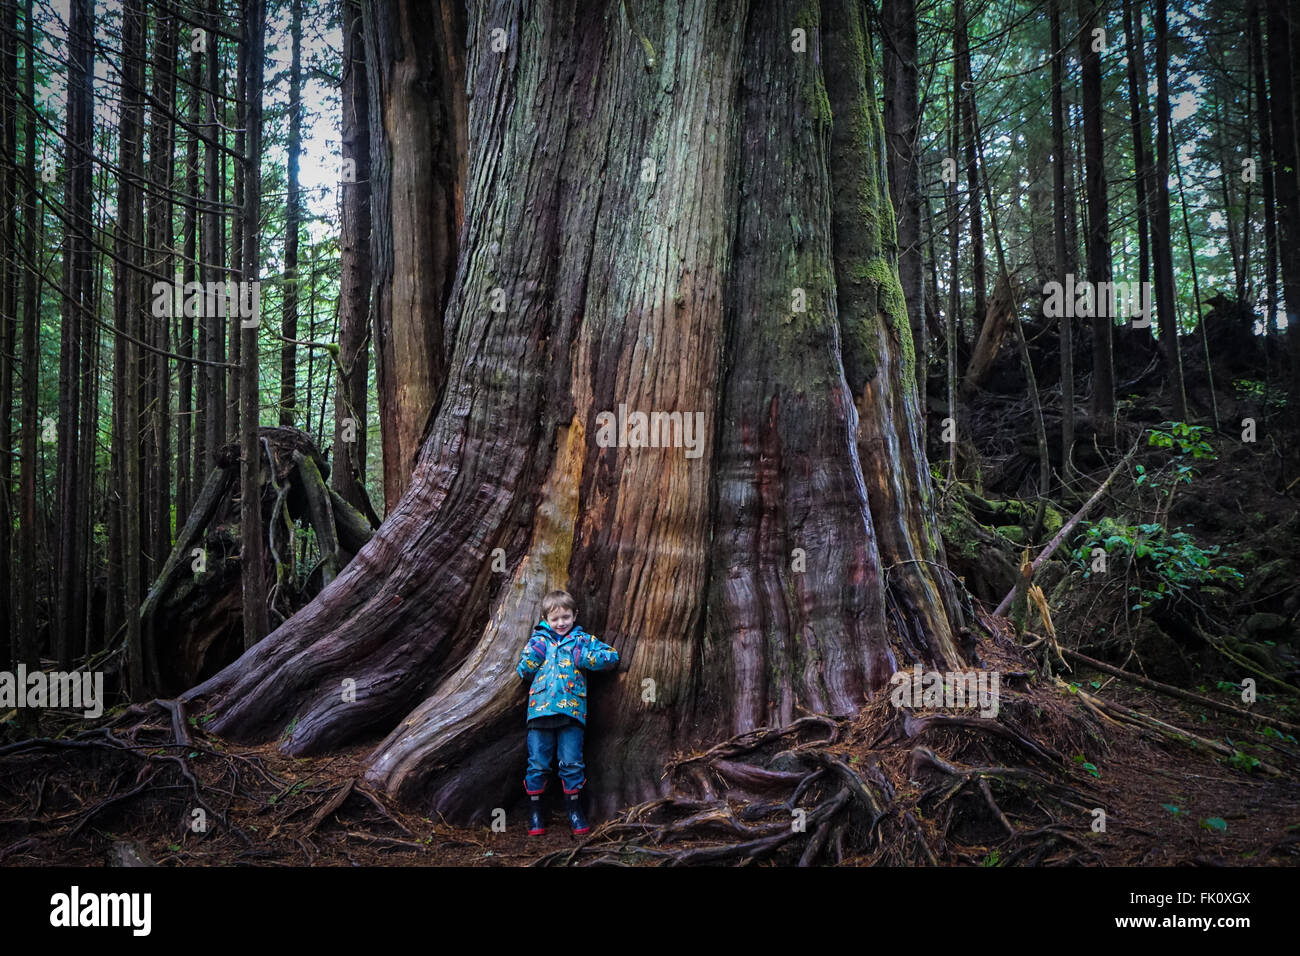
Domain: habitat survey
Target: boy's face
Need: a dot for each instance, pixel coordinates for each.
(560, 619)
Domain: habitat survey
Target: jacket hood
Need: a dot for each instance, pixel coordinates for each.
(546, 629)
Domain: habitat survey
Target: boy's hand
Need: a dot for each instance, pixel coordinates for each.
(594, 655)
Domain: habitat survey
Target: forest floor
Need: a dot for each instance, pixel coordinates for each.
(134, 796)
(1167, 803)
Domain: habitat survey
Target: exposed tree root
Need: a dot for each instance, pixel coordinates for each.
(890, 787)
(145, 770)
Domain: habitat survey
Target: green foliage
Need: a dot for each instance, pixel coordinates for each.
(1251, 388)
(1088, 766)
(1167, 561)
(1243, 761)
(1187, 439)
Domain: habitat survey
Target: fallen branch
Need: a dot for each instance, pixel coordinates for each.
(1168, 730)
(1066, 528)
(1179, 692)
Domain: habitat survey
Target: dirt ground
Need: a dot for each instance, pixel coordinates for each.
(1166, 803)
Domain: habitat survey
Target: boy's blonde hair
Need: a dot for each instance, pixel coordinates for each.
(558, 599)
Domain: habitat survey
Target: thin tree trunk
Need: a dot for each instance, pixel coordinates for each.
(348, 474)
(185, 432)
(954, 291)
(1262, 117)
(289, 319)
(9, 268)
(211, 397)
(966, 107)
(1196, 287)
(1137, 98)
(231, 330)
(26, 632)
(902, 129)
(1166, 300)
(156, 500)
(252, 554)
(69, 602)
(1281, 52)
(1099, 261)
(127, 308)
(1058, 235)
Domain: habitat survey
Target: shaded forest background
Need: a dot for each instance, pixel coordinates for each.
(148, 141)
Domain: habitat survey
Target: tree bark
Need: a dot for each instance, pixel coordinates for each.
(156, 499)
(1099, 262)
(351, 421)
(1286, 176)
(252, 557)
(289, 319)
(127, 312)
(1059, 238)
(1265, 164)
(27, 650)
(9, 270)
(691, 217)
(69, 602)
(185, 432)
(417, 136)
(902, 129)
(1137, 97)
(966, 111)
(211, 420)
(1161, 242)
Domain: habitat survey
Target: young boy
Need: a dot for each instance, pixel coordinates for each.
(557, 703)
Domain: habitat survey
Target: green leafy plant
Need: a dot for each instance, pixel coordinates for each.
(1243, 761)
(1167, 561)
(1260, 391)
(1185, 439)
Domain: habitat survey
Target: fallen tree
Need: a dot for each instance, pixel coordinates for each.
(192, 609)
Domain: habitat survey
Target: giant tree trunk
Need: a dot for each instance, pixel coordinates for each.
(688, 214)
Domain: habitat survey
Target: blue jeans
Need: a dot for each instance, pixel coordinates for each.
(542, 746)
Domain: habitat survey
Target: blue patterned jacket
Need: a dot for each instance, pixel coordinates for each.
(555, 664)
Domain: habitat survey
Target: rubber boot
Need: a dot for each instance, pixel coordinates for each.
(577, 822)
(536, 819)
